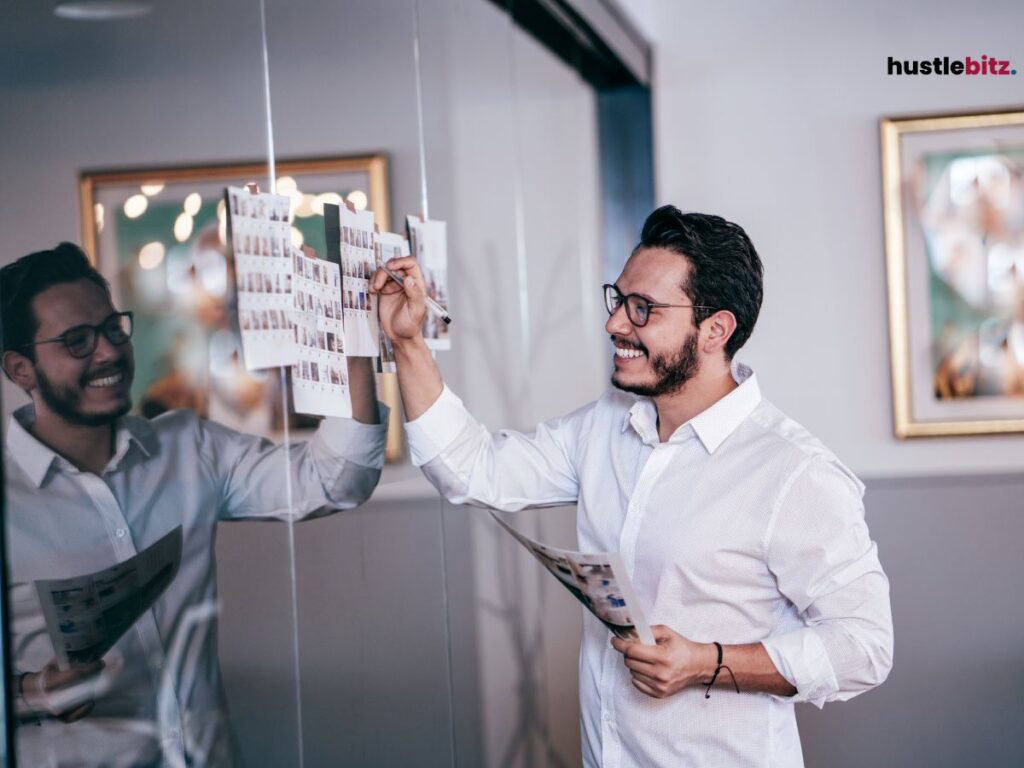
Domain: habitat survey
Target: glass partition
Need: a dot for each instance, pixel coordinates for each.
(112, 518)
(372, 623)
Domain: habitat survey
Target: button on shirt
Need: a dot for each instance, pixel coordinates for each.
(740, 528)
(165, 701)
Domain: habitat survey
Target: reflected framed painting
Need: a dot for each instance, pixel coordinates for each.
(953, 192)
(159, 236)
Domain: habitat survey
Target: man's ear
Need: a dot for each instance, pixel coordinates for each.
(20, 370)
(717, 330)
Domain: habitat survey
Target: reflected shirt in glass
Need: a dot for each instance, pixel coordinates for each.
(740, 528)
(166, 701)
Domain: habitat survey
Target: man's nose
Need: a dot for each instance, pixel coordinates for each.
(618, 323)
(107, 351)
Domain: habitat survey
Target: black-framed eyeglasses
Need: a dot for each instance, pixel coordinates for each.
(80, 340)
(638, 308)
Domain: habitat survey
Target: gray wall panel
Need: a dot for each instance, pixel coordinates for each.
(952, 549)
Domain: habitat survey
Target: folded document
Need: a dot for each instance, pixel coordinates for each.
(599, 581)
(87, 615)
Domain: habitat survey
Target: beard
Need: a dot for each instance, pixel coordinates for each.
(66, 402)
(672, 373)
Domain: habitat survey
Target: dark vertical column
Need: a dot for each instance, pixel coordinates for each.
(7, 757)
(627, 170)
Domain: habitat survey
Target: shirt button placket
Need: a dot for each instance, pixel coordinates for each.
(651, 470)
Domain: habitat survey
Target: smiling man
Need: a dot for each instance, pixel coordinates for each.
(89, 486)
(744, 536)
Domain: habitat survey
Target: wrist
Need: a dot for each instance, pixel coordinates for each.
(405, 348)
(32, 692)
(707, 663)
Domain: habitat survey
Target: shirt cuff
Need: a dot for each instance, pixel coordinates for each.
(802, 659)
(354, 441)
(436, 428)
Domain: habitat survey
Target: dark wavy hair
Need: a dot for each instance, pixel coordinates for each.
(725, 270)
(29, 276)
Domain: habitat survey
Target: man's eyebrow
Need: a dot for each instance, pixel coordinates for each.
(89, 325)
(645, 296)
(634, 293)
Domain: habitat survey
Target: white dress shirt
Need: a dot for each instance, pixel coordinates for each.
(740, 528)
(166, 700)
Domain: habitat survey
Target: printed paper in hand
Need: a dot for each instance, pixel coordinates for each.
(261, 242)
(388, 245)
(86, 615)
(599, 581)
(428, 241)
(320, 377)
(357, 265)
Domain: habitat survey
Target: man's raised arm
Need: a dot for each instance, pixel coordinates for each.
(459, 456)
(338, 468)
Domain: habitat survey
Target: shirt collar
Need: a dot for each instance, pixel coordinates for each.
(35, 458)
(713, 425)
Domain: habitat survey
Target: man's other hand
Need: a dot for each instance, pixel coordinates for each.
(51, 689)
(666, 668)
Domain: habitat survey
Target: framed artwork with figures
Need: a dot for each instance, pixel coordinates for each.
(953, 192)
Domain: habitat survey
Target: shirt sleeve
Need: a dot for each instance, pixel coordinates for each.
(508, 470)
(826, 564)
(337, 469)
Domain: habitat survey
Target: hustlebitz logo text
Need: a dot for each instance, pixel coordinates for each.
(970, 65)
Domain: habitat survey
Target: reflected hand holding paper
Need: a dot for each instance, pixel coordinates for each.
(68, 694)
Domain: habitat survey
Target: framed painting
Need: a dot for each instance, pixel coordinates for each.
(158, 235)
(953, 192)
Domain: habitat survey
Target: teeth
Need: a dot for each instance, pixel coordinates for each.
(628, 352)
(107, 381)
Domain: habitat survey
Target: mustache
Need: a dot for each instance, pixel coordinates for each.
(628, 343)
(124, 367)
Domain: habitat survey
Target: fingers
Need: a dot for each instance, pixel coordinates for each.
(620, 644)
(413, 286)
(401, 263)
(382, 283)
(58, 678)
(406, 265)
(662, 633)
(644, 688)
(648, 653)
(648, 680)
(78, 712)
(51, 689)
(643, 667)
(635, 650)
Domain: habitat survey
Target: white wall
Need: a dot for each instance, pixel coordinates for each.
(767, 113)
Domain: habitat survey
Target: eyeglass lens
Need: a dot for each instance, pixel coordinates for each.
(637, 309)
(81, 341)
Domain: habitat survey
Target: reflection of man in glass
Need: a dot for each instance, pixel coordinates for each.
(745, 535)
(89, 486)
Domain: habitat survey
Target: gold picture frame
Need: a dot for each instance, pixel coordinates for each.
(953, 197)
(115, 238)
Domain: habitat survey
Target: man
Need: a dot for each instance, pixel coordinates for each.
(743, 535)
(89, 486)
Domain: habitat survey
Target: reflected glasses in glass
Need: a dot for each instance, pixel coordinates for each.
(81, 340)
